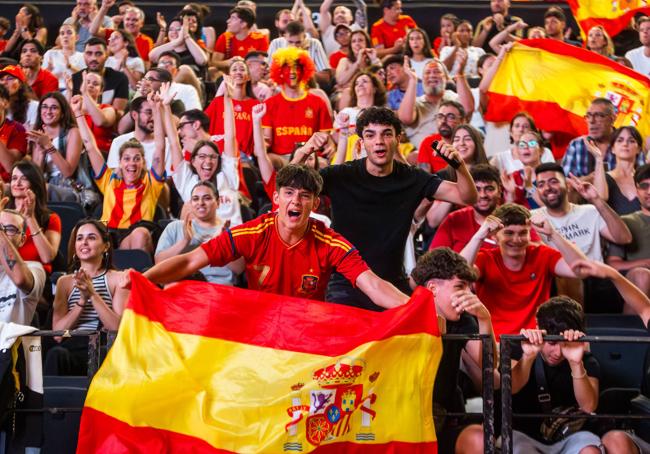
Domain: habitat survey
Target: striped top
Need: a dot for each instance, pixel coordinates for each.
(89, 319)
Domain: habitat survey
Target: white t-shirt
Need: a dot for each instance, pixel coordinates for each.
(133, 63)
(505, 161)
(473, 54)
(54, 61)
(187, 94)
(32, 115)
(639, 61)
(227, 184)
(113, 161)
(418, 66)
(581, 226)
(15, 305)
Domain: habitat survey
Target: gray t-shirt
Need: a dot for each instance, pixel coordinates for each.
(639, 248)
(174, 233)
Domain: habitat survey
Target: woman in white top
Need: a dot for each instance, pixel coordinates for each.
(206, 162)
(508, 160)
(462, 38)
(418, 50)
(124, 57)
(64, 60)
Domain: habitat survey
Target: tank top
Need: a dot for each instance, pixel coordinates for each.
(89, 319)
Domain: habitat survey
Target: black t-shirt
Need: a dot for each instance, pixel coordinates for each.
(444, 390)
(560, 385)
(116, 85)
(375, 213)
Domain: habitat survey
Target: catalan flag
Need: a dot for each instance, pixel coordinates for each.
(205, 368)
(556, 82)
(612, 15)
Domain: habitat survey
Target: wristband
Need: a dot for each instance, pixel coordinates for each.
(38, 232)
(80, 305)
(584, 374)
(51, 150)
(79, 116)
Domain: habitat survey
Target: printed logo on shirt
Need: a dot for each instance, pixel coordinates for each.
(309, 283)
(7, 301)
(573, 231)
(309, 113)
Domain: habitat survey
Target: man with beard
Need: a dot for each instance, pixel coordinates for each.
(142, 114)
(418, 114)
(374, 200)
(600, 119)
(491, 25)
(31, 57)
(459, 227)
(82, 16)
(583, 225)
(133, 20)
(450, 115)
(116, 84)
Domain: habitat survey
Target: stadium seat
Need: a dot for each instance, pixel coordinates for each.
(613, 321)
(621, 363)
(70, 213)
(61, 427)
(131, 258)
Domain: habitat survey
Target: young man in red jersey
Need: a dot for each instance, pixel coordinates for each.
(286, 252)
(388, 32)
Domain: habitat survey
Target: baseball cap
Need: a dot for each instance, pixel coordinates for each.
(13, 70)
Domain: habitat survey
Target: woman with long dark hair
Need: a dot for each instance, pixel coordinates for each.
(124, 57)
(360, 56)
(23, 107)
(185, 42)
(29, 25)
(56, 146)
(87, 298)
(417, 48)
(28, 196)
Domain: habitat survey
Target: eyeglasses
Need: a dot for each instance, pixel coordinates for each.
(527, 144)
(150, 79)
(448, 117)
(52, 107)
(10, 230)
(644, 186)
(207, 157)
(183, 123)
(595, 116)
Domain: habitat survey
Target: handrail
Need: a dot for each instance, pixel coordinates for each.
(506, 381)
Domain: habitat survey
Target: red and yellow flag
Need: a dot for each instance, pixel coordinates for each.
(556, 82)
(612, 15)
(206, 368)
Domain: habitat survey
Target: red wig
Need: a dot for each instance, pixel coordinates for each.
(291, 56)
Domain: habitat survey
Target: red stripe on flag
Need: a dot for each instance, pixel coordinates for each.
(583, 55)
(548, 116)
(118, 208)
(278, 321)
(101, 433)
(612, 26)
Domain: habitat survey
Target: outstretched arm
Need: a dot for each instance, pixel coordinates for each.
(259, 145)
(94, 155)
(381, 292)
(230, 135)
(176, 268)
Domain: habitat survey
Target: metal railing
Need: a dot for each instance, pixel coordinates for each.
(506, 384)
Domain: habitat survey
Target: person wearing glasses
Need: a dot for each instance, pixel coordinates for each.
(600, 118)
(196, 156)
(418, 113)
(450, 115)
(21, 282)
(520, 185)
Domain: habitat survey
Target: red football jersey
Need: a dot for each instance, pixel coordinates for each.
(230, 46)
(385, 34)
(512, 297)
(13, 135)
(294, 120)
(44, 83)
(243, 122)
(301, 270)
(426, 154)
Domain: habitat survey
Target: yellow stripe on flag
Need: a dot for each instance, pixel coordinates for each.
(239, 397)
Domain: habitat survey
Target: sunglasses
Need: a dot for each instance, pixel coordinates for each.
(528, 144)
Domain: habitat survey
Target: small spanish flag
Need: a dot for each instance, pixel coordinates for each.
(206, 368)
(556, 82)
(612, 15)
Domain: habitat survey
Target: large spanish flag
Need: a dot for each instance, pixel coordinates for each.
(205, 368)
(556, 82)
(612, 15)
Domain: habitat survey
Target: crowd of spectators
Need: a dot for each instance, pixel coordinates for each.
(166, 142)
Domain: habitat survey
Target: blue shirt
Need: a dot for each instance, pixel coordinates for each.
(396, 95)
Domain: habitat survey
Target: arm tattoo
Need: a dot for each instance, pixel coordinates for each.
(9, 257)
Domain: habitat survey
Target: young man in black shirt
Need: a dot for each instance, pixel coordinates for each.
(374, 200)
(448, 276)
(570, 374)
